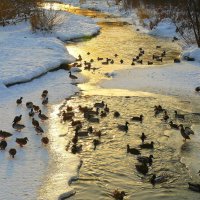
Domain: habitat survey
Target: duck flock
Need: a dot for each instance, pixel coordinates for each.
(33, 110)
(89, 116)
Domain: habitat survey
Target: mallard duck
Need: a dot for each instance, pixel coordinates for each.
(158, 47)
(12, 152)
(42, 116)
(19, 101)
(45, 140)
(140, 61)
(4, 134)
(197, 89)
(174, 126)
(99, 58)
(90, 129)
(92, 119)
(103, 114)
(150, 63)
(18, 127)
(117, 195)
(73, 77)
(96, 142)
(116, 55)
(132, 150)
(45, 101)
(121, 61)
(165, 116)
(81, 133)
(116, 114)
(112, 61)
(106, 109)
(105, 62)
(99, 105)
(36, 108)
(157, 179)
(132, 63)
(3, 145)
(147, 145)
(194, 187)
(145, 159)
(91, 60)
(185, 132)
(97, 133)
(179, 116)
(21, 141)
(159, 59)
(143, 137)
(123, 127)
(88, 53)
(35, 122)
(76, 148)
(17, 119)
(44, 93)
(75, 123)
(39, 130)
(31, 113)
(138, 119)
(142, 168)
(29, 104)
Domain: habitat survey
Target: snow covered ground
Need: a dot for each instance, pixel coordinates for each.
(25, 55)
(176, 79)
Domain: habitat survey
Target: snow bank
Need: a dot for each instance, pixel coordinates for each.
(192, 52)
(25, 55)
(177, 79)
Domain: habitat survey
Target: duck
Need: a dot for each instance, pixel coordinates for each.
(88, 53)
(75, 139)
(45, 101)
(73, 77)
(138, 119)
(31, 113)
(29, 104)
(158, 109)
(39, 130)
(117, 195)
(194, 186)
(174, 126)
(76, 148)
(132, 63)
(19, 101)
(158, 47)
(179, 116)
(105, 62)
(69, 108)
(75, 123)
(36, 108)
(92, 119)
(116, 114)
(12, 152)
(90, 129)
(99, 105)
(4, 134)
(45, 140)
(165, 116)
(96, 142)
(159, 59)
(116, 55)
(145, 159)
(91, 60)
(142, 168)
(185, 132)
(150, 63)
(155, 57)
(112, 61)
(35, 122)
(121, 61)
(3, 145)
(143, 137)
(147, 145)
(123, 127)
(81, 133)
(177, 60)
(140, 61)
(103, 114)
(197, 89)
(157, 179)
(18, 127)
(132, 150)
(106, 109)
(42, 116)
(99, 58)
(17, 119)
(21, 141)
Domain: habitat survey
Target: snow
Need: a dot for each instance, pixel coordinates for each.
(175, 79)
(165, 28)
(25, 55)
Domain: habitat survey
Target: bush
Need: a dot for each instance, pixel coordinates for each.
(45, 20)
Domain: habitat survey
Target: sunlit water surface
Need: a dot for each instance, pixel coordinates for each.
(110, 167)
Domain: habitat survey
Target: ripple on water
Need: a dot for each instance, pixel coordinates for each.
(110, 167)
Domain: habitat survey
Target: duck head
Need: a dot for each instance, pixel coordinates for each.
(151, 156)
(127, 123)
(26, 139)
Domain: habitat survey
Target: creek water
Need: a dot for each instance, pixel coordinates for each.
(110, 167)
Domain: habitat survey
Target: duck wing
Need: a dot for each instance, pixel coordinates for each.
(189, 131)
